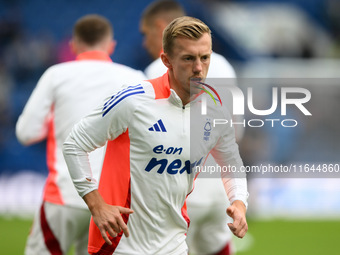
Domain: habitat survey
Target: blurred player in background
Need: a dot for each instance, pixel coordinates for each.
(149, 160)
(208, 232)
(64, 94)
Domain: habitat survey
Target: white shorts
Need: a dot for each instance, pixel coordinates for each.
(56, 228)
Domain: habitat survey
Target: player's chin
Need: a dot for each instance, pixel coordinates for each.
(194, 90)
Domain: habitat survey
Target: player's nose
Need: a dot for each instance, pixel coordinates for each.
(197, 67)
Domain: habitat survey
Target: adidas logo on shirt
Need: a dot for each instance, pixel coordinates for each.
(158, 127)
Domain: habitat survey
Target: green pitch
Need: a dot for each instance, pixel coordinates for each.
(13, 234)
(291, 238)
(265, 237)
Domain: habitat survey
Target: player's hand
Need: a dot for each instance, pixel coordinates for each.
(237, 211)
(107, 217)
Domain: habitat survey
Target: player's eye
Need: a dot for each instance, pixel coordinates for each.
(205, 58)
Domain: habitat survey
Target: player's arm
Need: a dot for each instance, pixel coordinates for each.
(82, 140)
(103, 124)
(226, 154)
(32, 125)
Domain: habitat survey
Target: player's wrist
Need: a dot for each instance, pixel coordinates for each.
(94, 201)
(240, 205)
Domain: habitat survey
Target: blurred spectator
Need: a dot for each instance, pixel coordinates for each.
(6, 86)
(333, 18)
(10, 28)
(27, 56)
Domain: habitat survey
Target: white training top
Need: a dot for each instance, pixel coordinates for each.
(148, 165)
(64, 94)
(209, 191)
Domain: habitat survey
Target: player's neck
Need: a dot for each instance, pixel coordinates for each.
(178, 88)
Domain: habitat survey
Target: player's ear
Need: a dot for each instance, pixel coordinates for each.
(166, 60)
(112, 47)
(73, 46)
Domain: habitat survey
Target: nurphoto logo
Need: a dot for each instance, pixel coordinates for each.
(280, 96)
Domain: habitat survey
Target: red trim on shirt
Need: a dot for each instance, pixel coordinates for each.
(184, 212)
(51, 241)
(52, 192)
(115, 188)
(94, 55)
(161, 86)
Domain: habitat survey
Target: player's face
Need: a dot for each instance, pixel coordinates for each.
(190, 59)
(152, 40)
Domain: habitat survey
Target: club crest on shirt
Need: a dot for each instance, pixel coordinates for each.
(207, 130)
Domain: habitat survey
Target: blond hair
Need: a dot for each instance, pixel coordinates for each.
(185, 26)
